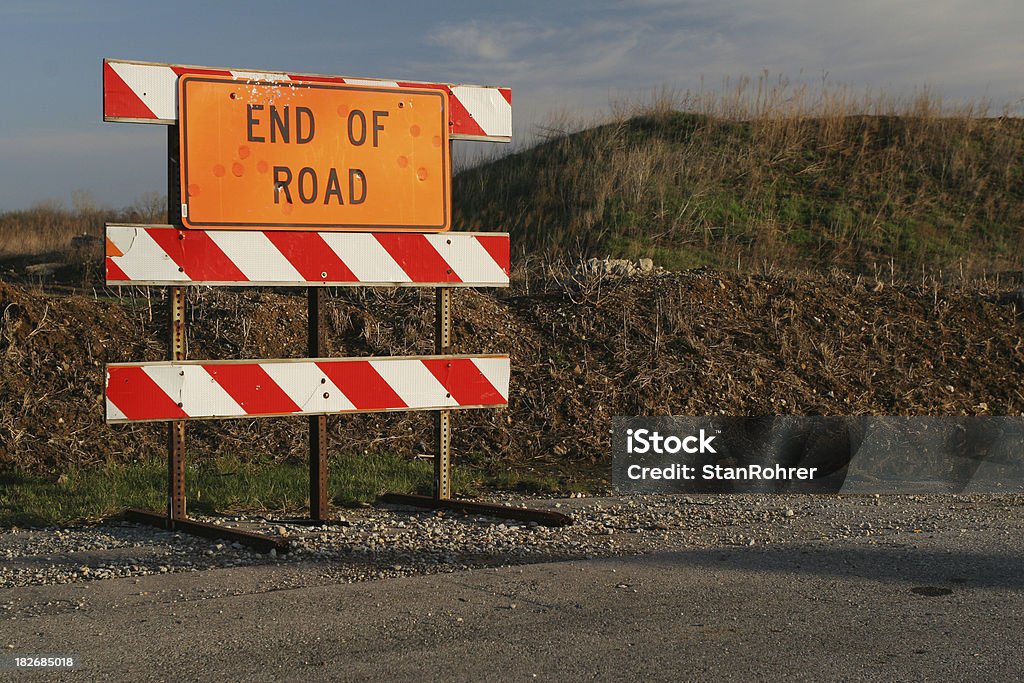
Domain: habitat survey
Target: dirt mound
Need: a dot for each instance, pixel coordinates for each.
(53, 350)
(695, 343)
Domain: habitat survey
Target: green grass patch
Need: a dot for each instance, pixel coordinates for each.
(228, 484)
(223, 484)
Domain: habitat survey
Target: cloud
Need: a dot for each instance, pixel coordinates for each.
(472, 40)
(948, 43)
(580, 58)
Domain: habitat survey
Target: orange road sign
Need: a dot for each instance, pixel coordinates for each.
(306, 155)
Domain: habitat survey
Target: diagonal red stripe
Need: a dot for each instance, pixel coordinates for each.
(120, 101)
(252, 388)
(507, 94)
(114, 272)
(463, 380)
(140, 398)
(311, 256)
(417, 257)
(197, 254)
(498, 248)
(463, 122)
(363, 385)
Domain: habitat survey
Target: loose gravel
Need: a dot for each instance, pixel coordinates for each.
(381, 541)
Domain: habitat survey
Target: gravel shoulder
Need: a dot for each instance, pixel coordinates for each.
(383, 541)
(695, 586)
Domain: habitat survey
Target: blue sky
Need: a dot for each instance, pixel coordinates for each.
(558, 57)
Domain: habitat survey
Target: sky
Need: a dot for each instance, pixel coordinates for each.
(561, 59)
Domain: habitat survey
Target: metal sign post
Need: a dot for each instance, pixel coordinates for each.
(176, 346)
(176, 429)
(319, 503)
(443, 421)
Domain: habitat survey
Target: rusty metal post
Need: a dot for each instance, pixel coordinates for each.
(319, 503)
(176, 300)
(443, 420)
(176, 430)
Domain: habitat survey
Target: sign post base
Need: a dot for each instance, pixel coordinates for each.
(258, 542)
(541, 517)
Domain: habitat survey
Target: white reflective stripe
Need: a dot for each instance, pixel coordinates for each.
(259, 76)
(113, 412)
(121, 237)
(203, 396)
(411, 380)
(365, 257)
(371, 81)
(468, 258)
(169, 378)
(156, 86)
(256, 256)
(496, 370)
(489, 108)
(306, 385)
(146, 260)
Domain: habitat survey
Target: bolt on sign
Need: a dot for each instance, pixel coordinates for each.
(294, 155)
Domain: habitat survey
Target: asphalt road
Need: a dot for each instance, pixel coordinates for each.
(942, 605)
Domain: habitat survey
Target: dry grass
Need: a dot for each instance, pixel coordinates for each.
(48, 227)
(765, 170)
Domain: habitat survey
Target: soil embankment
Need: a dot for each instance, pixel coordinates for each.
(583, 350)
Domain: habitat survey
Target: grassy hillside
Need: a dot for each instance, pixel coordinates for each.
(863, 185)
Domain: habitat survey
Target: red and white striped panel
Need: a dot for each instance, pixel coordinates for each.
(144, 92)
(182, 390)
(166, 255)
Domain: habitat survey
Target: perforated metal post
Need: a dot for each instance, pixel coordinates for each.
(176, 430)
(319, 503)
(176, 301)
(443, 421)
